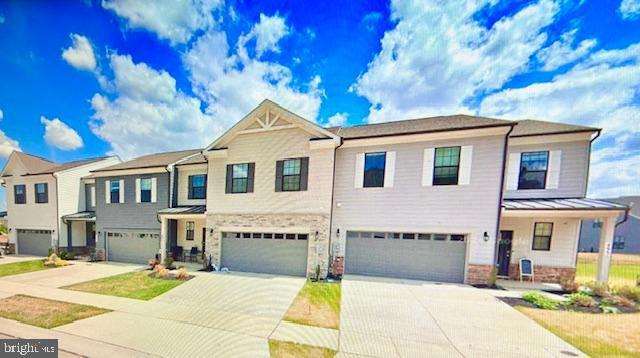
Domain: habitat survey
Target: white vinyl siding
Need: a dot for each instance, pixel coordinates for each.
(513, 171)
(389, 169)
(107, 191)
(553, 169)
(93, 196)
(427, 166)
(154, 189)
(138, 194)
(466, 158)
(358, 179)
(121, 191)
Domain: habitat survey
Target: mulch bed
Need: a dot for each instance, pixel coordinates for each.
(514, 301)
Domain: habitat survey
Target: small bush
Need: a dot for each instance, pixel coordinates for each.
(163, 273)
(599, 289)
(608, 309)
(582, 300)
(158, 268)
(182, 274)
(629, 292)
(541, 301)
(618, 301)
(168, 261)
(54, 261)
(63, 254)
(569, 285)
(51, 251)
(153, 263)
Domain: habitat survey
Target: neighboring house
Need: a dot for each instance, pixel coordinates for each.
(129, 196)
(3, 218)
(627, 235)
(40, 195)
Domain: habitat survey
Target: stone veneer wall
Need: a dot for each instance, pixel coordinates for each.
(544, 273)
(478, 274)
(319, 223)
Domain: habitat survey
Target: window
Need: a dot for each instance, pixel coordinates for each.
(197, 186)
(446, 166)
(190, 230)
(405, 236)
(92, 192)
(41, 193)
(533, 170)
(239, 178)
(542, 236)
(291, 175)
(115, 191)
(618, 243)
(374, 169)
(145, 190)
(597, 224)
(20, 194)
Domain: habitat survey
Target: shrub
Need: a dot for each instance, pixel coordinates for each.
(51, 251)
(158, 268)
(599, 289)
(618, 301)
(608, 309)
(168, 261)
(63, 254)
(163, 273)
(569, 285)
(541, 301)
(182, 274)
(153, 263)
(629, 292)
(582, 300)
(54, 261)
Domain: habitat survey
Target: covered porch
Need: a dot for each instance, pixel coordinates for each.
(183, 234)
(547, 232)
(81, 233)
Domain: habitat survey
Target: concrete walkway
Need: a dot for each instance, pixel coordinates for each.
(404, 318)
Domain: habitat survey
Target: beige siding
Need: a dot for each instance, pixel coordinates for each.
(409, 206)
(79, 234)
(265, 149)
(573, 170)
(183, 184)
(32, 215)
(197, 235)
(564, 241)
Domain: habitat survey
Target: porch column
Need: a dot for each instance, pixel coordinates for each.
(164, 225)
(606, 247)
(69, 236)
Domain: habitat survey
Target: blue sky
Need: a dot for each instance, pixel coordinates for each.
(89, 78)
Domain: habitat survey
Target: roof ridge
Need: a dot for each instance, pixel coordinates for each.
(423, 118)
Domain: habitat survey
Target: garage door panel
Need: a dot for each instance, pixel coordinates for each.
(413, 259)
(281, 257)
(131, 248)
(34, 242)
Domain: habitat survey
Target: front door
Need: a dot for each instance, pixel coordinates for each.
(91, 234)
(504, 252)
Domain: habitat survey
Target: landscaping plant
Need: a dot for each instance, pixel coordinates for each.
(182, 274)
(618, 301)
(599, 289)
(541, 301)
(153, 263)
(54, 261)
(608, 309)
(629, 292)
(569, 285)
(582, 299)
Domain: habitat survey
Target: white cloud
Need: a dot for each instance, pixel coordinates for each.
(268, 32)
(337, 119)
(561, 52)
(60, 135)
(173, 20)
(630, 9)
(80, 54)
(148, 113)
(1, 115)
(7, 145)
(438, 56)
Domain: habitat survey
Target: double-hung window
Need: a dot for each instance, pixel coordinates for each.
(145, 190)
(542, 236)
(533, 170)
(240, 178)
(197, 186)
(446, 166)
(20, 194)
(374, 165)
(115, 191)
(291, 175)
(41, 193)
(190, 230)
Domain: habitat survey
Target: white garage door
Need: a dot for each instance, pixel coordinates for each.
(421, 256)
(132, 247)
(274, 253)
(34, 242)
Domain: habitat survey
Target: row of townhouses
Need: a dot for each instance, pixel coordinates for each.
(444, 199)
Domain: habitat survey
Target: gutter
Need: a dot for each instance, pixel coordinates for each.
(501, 195)
(626, 216)
(586, 185)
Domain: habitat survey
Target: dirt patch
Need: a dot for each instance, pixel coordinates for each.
(43, 312)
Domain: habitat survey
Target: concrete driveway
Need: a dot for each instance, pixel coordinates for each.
(391, 318)
(210, 315)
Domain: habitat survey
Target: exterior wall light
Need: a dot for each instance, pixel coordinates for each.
(485, 236)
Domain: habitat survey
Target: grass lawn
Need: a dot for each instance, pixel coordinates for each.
(21, 267)
(317, 304)
(624, 270)
(279, 349)
(45, 313)
(597, 335)
(136, 285)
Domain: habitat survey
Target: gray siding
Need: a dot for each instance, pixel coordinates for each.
(87, 197)
(131, 215)
(630, 230)
(573, 171)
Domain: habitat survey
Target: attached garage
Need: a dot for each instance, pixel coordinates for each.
(273, 253)
(132, 247)
(34, 242)
(421, 256)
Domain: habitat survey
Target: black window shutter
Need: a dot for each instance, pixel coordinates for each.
(35, 192)
(229, 178)
(205, 188)
(279, 170)
(190, 187)
(304, 173)
(46, 193)
(250, 174)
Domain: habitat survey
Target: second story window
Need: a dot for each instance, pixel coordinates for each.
(20, 194)
(291, 175)
(197, 186)
(145, 190)
(190, 230)
(240, 178)
(446, 166)
(41, 193)
(115, 191)
(374, 169)
(533, 170)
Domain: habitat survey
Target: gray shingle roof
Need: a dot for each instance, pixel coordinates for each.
(34, 164)
(560, 204)
(196, 159)
(531, 127)
(152, 160)
(68, 165)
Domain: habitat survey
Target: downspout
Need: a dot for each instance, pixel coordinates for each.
(333, 183)
(501, 195)
(626, 216)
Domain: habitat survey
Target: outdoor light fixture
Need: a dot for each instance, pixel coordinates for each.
(485, 236)
(211, 231)
(338, 232)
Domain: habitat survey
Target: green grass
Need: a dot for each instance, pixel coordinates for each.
(317, 304)
(280, 349)
(137, 285)
(21, 267)
(619, 274)
(43, 312)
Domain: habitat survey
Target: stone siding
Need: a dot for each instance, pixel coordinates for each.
(544, 273)
(318, 244)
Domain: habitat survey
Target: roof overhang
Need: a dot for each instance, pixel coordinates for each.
(80, 216)
(129, 171)
(552, 138)
(183, 212)
(583, 208)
